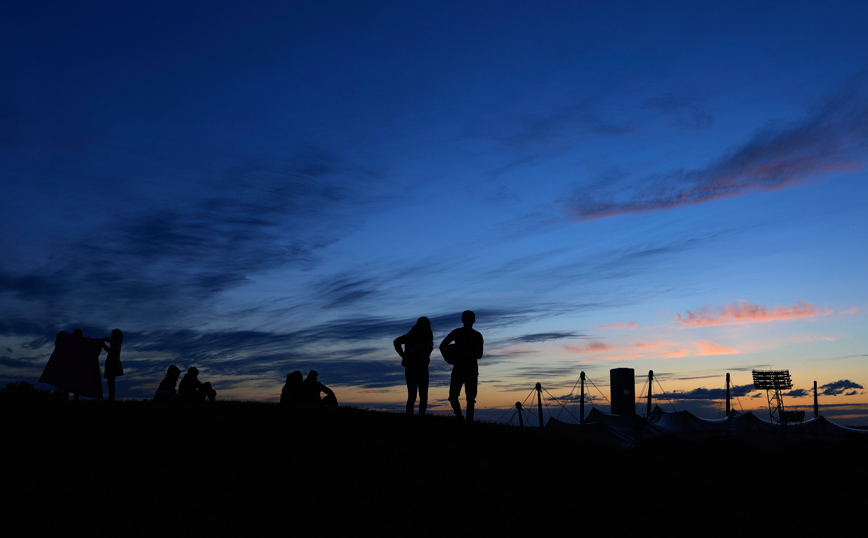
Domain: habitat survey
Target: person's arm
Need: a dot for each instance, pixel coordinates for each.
(446, 341)
(398, 341)
(327, 390)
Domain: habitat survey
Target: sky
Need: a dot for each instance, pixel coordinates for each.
(254, 188)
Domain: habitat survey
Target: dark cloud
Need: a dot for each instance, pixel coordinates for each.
(834, 137)
(341, 291)
(712, 394)
(11, 362)
(840, 387)
(544, 337)
(159, 258)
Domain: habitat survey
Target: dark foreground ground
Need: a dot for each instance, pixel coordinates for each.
(242, 469)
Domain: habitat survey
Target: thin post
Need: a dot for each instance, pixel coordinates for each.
(582, 400)
(650, 391)
(539, 403)
(816, 405)
(728, 406)
(520, 418)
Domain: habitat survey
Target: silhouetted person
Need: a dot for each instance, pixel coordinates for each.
(462, 348)
(415, 356)
(166, 391)
(113, 367)
(193, 390)
(311, 389)
(74, 365)
(291, 393)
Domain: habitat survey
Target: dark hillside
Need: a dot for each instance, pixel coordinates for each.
(233, 468)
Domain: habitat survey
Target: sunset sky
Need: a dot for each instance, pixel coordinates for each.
(255, 188)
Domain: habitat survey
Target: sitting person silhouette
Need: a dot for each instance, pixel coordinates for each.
(311, 389)
(193, 390)
(166, 391)
(291, 393)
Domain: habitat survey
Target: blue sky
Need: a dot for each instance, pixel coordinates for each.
(254, 189)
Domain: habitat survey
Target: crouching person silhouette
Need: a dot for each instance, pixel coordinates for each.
(193, 390)
(462, 348)
(311, 389)
(166, 391)
(291, 393)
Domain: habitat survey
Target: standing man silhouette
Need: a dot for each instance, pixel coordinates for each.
(462, 348)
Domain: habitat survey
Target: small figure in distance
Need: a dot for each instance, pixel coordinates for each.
(311, 389)
(291, 393)
(462, 354)
(166, 391)
(415, 356)
(113, 367)
(193, 390)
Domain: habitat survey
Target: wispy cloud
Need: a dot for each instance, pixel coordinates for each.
(707, 347)
(159, 258)
(631, 325)
(590, 347)
(745, 312)
(833, 138)
(655, 349)
(544, 337)
(682, 112)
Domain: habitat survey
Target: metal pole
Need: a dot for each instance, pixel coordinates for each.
(582, 400)
(816, 405)
(650, 391)
(520, 418)
(539, 403)
(728, 406)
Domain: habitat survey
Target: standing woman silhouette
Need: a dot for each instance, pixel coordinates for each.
(113, 367)
(415, 356)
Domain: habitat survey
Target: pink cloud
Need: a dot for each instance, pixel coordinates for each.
(592, 347)
(745, 312)
(706, 347)
(631, 325)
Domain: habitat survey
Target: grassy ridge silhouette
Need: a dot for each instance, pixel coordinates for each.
(136, 468)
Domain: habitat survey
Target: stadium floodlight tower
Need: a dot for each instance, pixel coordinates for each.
(773, 381)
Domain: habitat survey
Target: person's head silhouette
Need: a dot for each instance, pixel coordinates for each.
(468, 318)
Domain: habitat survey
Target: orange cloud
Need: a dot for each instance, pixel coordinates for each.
(745, 312)
(631, 325)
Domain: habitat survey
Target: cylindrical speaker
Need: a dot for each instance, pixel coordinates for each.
(623, 387)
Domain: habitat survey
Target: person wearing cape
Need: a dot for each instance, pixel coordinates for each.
(74, 365)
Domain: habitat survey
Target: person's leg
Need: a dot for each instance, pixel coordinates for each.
(410, 378)
(423, 391)
(470, 388)
(110, 381)
(455, 391)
